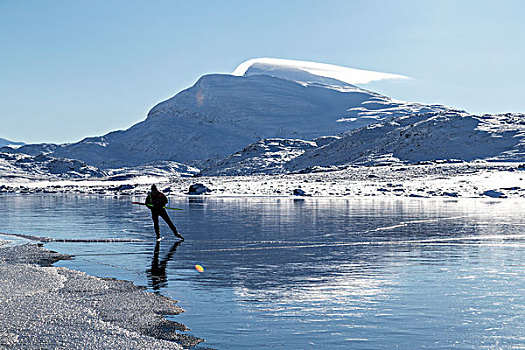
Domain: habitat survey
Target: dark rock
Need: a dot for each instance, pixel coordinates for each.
(451, 194)
(494, 194)
(198, 189)
(121, 177)
(123, 187)
(298, 192)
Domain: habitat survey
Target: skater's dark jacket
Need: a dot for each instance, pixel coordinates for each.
(158, 199)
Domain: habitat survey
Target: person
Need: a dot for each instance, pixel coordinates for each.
(156, 201)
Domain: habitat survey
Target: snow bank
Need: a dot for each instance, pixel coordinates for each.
(50, 308)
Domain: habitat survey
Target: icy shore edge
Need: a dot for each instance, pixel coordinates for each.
(42, 306)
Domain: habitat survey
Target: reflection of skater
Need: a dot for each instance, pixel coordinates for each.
(157, 273)
(156, 201)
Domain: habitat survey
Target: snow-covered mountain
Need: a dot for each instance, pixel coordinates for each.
(276, 116)
(221, 114)
(423, 137)
(443, 136)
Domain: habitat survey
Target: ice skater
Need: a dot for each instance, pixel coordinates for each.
(156, 201)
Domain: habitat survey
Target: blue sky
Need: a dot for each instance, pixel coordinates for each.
(72, 69)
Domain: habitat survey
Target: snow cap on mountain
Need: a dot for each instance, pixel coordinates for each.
(305, 71)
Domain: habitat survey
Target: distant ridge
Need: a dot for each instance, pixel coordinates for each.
(5, 142)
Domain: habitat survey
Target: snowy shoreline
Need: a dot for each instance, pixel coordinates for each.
(53, 307)
(447, 179)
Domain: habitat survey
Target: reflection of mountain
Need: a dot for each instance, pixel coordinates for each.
(157, 277)
(284, 247)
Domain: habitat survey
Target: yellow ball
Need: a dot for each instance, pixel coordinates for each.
(199, 268)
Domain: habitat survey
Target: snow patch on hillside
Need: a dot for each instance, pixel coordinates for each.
(23, 167)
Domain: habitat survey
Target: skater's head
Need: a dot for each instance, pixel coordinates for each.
(154, 188)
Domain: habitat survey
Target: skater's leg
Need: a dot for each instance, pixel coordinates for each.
(155, 218)
(166, 218)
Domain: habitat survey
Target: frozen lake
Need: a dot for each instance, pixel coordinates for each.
(305, 273)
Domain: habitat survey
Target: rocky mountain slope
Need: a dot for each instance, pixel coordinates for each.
(411, 139)
(263, 157)
(26, 166)
(424, 137)
(23, 166)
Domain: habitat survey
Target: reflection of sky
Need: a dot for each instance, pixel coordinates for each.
(355, 273)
